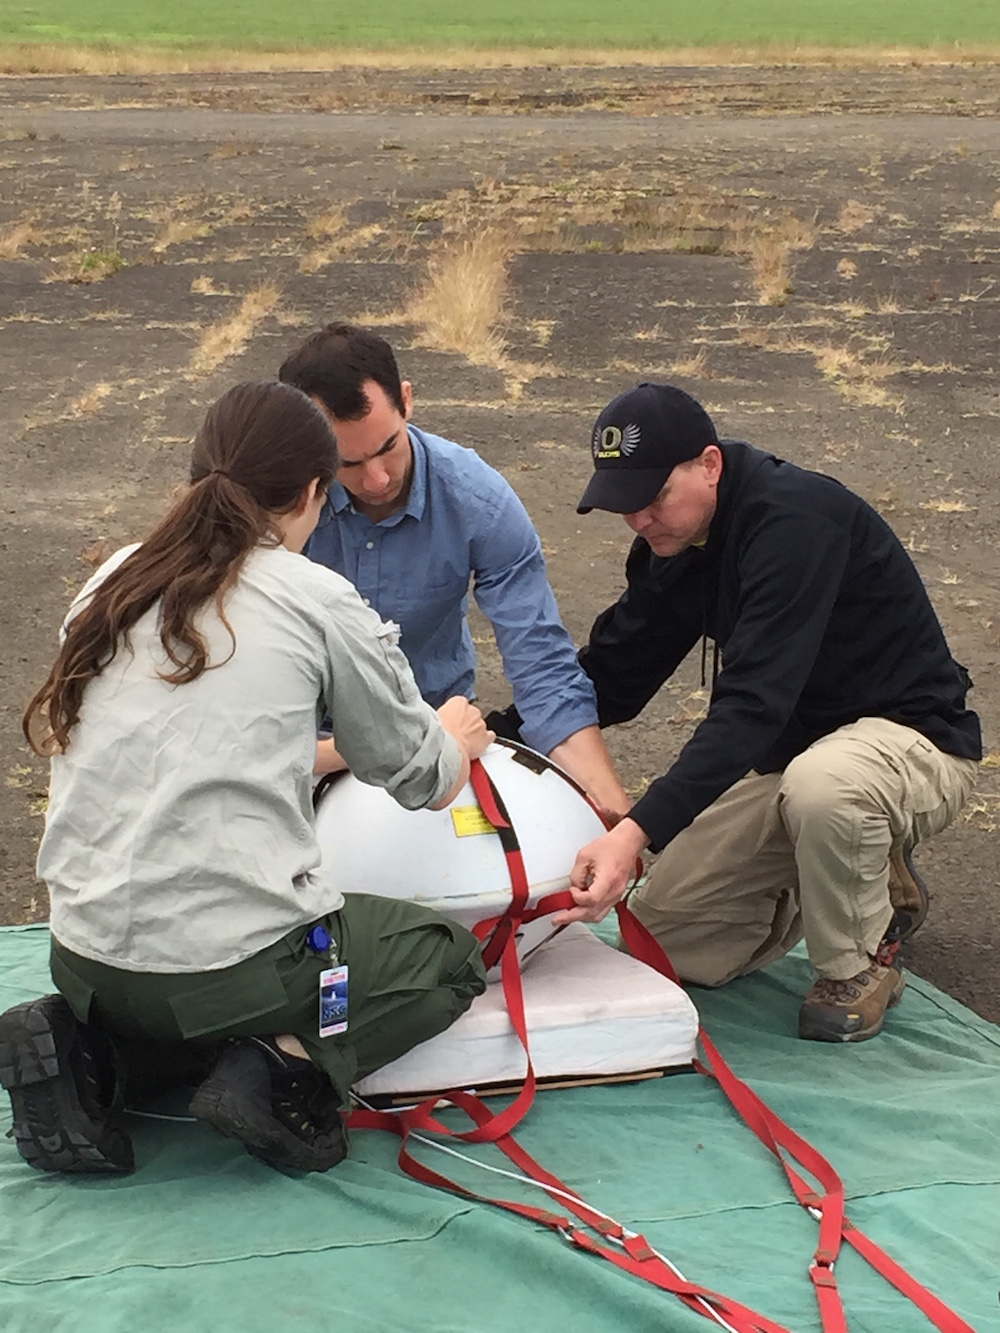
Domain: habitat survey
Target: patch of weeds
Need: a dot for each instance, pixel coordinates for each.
(98, 260)
(692, 367)
(854, 216)
(205, 286)
(541, 331)
(90, 402)
(955, 506)
(692, 226)
(228, 337)
(96, 264)
(332, 230)
(769, 242)
(461, 304)
(177, 230)
(16, 235)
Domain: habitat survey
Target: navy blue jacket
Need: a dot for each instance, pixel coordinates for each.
(819, 616)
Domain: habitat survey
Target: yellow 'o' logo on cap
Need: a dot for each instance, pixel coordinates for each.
(610, 443)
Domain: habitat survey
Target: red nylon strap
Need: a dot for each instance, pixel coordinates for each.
(631, 1253)
(636, 1256)
(492, 807)
(776, 1135)
(494, 1127)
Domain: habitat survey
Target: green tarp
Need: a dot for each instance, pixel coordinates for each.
(204, 1237)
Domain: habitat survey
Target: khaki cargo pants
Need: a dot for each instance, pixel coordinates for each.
(411, 973)
(805, 852)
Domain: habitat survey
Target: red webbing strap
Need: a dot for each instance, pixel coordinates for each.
(636, 1256)
(625, 1250)
(496, 1126)
(775, 1135)
(493, 808)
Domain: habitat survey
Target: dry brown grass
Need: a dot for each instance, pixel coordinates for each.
(541, 331)
(666, 223)
(176, 230)
(855, 371)
(946, 507)
(331, 222)
(691, 367)
(847, 268)
(16, 235)
(90, 402)
(854, 216)
(769, 243)
(936, 368)
(63, 58)
(460, 306)
(228, 337)
(602, 211)
(855, 376)
(336, 238)
(205, 286)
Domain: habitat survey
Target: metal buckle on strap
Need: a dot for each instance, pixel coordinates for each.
(822, 1273)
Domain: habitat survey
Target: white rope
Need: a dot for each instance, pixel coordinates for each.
(557, 1193)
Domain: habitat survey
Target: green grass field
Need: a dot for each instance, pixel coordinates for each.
(441, 24)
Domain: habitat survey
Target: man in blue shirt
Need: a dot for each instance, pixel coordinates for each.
(412, 518)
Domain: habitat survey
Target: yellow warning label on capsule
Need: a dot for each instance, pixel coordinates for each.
(470, 820)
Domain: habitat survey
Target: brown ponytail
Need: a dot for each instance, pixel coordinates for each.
(260, 446)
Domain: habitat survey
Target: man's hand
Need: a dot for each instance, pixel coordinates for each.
(602, 871)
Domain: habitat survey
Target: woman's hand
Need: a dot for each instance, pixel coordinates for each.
(328, 760)
(464, 721)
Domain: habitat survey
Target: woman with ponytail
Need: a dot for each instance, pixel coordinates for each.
(179, 849)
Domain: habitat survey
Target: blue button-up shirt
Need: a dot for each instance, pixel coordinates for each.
(462, 521)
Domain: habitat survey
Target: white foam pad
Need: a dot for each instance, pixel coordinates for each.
(591, 1010)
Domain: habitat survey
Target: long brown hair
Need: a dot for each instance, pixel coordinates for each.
(260, 446)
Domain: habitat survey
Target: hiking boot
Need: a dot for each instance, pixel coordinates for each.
(854, 1009)
(283, 1110)
(908, 895)
(63, 1090)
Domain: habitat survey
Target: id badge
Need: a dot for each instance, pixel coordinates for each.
(333, 1001)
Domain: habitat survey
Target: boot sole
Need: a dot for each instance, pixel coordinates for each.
(52, 1131)
(262, 1136)
(818, 1031)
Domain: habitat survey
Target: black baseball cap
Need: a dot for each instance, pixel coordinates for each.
(638, 440)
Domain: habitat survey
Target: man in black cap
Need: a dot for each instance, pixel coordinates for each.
(837, 735)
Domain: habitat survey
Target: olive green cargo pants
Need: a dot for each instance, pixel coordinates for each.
(412, 972)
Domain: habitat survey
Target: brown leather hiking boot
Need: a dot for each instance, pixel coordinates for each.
(908, 895)
(854, 1009)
